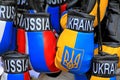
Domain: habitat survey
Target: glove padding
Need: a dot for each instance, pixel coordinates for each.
(109, 49)
(15, 66)
(6, 23)
(105, 65)
(40, 42)
(72, 47)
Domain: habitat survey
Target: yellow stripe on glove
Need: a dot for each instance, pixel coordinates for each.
(62, 41)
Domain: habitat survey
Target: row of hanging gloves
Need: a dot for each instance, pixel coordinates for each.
(15, 65)
(75, 45)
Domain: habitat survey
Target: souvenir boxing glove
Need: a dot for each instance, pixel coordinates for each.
(40, 42)
(15, 66)
(105, 64)
(107, 47)
(13, 45)
(21, 42)
(7, 12)
(72, 50)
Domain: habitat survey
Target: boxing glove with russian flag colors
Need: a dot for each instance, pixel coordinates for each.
(21, 41)
(15, 66)
(40, 42)
(7, 11)
(13, 41)
(23, 7)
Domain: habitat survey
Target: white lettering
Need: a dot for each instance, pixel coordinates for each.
(76, 22)
(7, 12)
(104, 68)
(100, 69)
(95, 66)
(12, 64)
(7, 68)
(32, 22)
(70, 23)
(113, 69)
(43, 23)
(80, 24)
(16, 66)
(37, 24)
(47, 25)
(26, 66)
(2, 11)
(27, 24)
(19, 67)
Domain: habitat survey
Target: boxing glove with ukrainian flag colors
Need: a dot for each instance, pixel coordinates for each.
(15, 66)
(110, 47)
(7, 11)
(40, 42)
(90, 9)
(75, 47)
(103, 67)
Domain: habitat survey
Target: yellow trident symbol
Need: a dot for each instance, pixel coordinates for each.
(73, 63)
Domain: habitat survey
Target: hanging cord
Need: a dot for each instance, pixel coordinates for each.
(99, 28)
